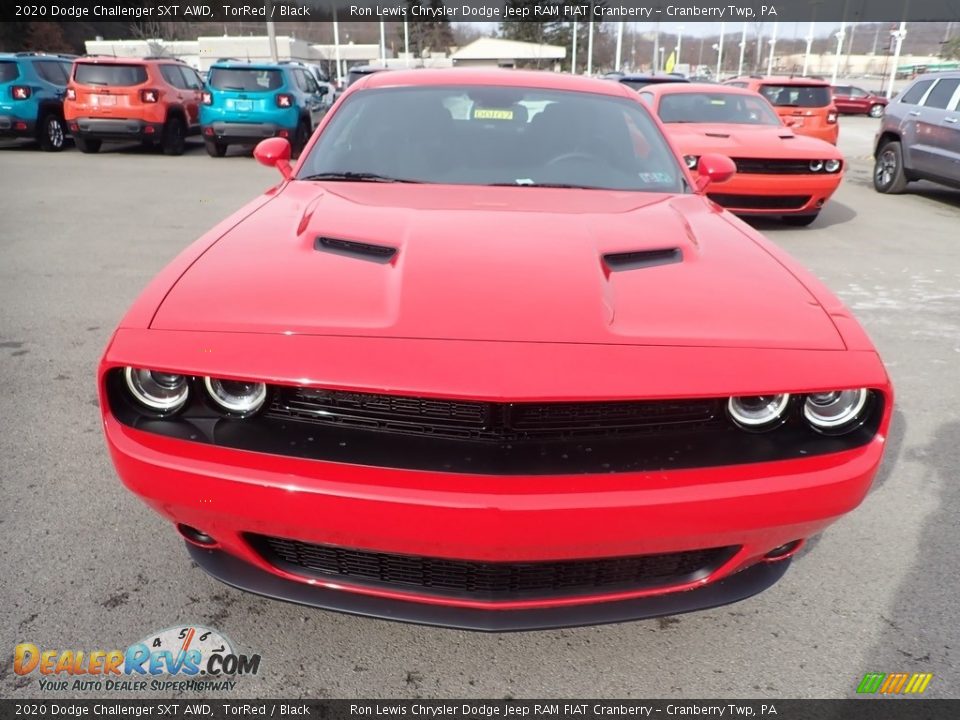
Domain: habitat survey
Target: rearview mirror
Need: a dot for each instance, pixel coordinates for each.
(714, 168)
(275, 152)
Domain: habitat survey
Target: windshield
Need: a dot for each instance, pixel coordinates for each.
(805, 96)
(111, 75)
(246, 79)
(488, 135)
(716, 107)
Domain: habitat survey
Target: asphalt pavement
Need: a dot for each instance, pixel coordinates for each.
(85, 565)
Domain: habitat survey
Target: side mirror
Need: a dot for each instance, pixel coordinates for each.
(791, 122)
(322, 90)
(714, 169)
(275, 152)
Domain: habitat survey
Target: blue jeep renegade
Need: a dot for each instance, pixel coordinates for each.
(32, 86)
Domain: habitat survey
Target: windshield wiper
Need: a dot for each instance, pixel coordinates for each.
(357, 177)
(567, 186)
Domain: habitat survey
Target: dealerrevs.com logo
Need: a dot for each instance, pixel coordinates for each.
(175, 659)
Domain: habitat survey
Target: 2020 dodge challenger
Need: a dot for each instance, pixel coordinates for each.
(489, 357)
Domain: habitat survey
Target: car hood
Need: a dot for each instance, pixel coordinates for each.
(498, 264)
(748, 141)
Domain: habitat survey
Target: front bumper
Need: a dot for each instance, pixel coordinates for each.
(758, 194)
(228, 132)
(119, 129)
(13, 126)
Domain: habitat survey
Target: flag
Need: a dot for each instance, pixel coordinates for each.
(671, 61)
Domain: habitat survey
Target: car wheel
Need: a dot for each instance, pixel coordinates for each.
(876, 111)
(87, 145)
(300, 139)
(53, 133)
(888, 173)
(799, 220)
(174, 137)
(215, 149)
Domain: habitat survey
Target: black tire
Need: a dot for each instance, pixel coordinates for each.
(300, 139)
(889, 177)
(52, 133)
(875, 111)
(800, 220)
(87, 145)
(174, 136)
(215, 149)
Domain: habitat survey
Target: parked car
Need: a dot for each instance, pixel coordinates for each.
(153, 101)
(779, 173)
(638, 81)
(511, 371)
(919, 137)
(246, 102)
(358, 72)
(32, 87)
(853, 100)
(805, 103)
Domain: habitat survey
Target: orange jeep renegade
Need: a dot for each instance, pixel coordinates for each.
(155, 101)
(804, 103)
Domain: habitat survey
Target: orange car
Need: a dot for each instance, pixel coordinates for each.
(155, 101)
(778, 172)
(805, 104)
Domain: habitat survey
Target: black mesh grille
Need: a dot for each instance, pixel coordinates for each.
(494, 422)
(772, 167)
(485, 580)
(760, 202)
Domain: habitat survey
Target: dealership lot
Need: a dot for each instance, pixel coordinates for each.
(87, 566)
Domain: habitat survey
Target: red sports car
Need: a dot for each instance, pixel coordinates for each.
(488, 357)
(778, 172)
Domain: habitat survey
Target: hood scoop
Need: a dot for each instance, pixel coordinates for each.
(717, 134)
(639, 259)
(352, 248)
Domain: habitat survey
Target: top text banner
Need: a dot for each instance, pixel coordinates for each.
(482, 10)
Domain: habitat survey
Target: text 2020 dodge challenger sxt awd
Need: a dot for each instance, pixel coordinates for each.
(488, 357)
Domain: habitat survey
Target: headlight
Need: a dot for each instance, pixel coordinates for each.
(160, 391)
(692, 161)
(831, 165)
(836, 411)
(756, 412)
(236, 396)
(816, 165)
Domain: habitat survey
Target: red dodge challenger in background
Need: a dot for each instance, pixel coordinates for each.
(488, 357)
(778, 172)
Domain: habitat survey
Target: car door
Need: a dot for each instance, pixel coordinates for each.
(313, 97)
(908, 110)
(949, 140)
(192, 94)
(931, 152)
(858, 101)
(841, 98)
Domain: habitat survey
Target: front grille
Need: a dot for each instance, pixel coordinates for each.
(772, 167)
(486, 421)
(488, 580)
(760, 202)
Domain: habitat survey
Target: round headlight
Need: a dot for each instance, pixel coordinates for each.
(831, 165)
(160, 391)
(692, 161)
(236, 396)
(757, 411)
(816, 165)
(835, 411)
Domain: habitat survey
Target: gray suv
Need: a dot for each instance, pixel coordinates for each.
(919, 136)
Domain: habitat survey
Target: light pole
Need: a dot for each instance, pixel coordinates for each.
(806, 57)
(720, 51)
(616, 64)
(383, 44)
(590, 51)
(773, 48)
(899, 35)
(656, 48)
(406, 43)
(680, 42)
(836, 60)
(573, 59)
(743, 48)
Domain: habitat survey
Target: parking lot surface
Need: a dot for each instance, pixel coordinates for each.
(86, 565)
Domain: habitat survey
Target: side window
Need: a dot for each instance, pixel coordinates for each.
(51, 71)
(190, 78)
(312, 86)
(842, 91)
(298, 79)
(647, 98)
(858, 93)
(941, 94)
(913, 94)
(171, 73)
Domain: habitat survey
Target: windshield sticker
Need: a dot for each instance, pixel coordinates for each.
(490, 114)
(656, 178)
